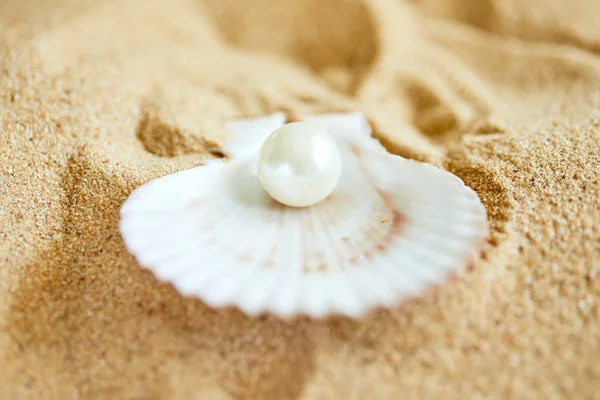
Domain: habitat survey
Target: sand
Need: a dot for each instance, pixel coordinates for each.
(97, 98)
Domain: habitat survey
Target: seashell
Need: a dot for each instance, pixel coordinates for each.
(391, 229)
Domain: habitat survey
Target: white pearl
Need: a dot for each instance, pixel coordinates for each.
(299, 165)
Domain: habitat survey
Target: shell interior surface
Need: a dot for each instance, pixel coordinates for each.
(391, 229)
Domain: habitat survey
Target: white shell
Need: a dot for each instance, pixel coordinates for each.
(391, 229)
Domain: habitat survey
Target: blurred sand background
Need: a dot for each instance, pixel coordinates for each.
(97, 98)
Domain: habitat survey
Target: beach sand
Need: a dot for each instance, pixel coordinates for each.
(97, 98)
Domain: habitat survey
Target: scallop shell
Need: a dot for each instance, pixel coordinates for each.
(391, 229)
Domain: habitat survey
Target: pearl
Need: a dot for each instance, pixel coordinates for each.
(299, 165)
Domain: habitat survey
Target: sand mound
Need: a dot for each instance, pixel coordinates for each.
(97, 98)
